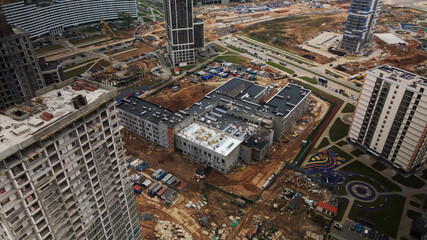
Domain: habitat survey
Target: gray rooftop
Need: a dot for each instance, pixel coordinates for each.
(285, 100)
(151, 112)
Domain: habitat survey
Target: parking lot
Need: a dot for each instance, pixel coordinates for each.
(353, 230)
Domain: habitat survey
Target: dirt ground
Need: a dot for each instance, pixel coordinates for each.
(408, 58)
(141, 48)
(219, 205)
(188, 94)
(289, 32)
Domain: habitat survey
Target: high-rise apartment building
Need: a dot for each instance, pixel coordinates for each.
(62, 167)
(361, 22)
(184, 33)
(54, 16)
(390, 120)
(20, 74)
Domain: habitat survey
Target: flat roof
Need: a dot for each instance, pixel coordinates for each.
(150, 111)
(240, 88)
(390, 38)
(394, 73)
(23, 122)
(210, 138)
(286, 99)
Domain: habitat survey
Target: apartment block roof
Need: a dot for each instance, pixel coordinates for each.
(398, 74)
(50, 111)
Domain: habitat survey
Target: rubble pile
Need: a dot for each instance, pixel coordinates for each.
(165, 230)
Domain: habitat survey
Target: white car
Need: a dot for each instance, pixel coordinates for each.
(338, 226)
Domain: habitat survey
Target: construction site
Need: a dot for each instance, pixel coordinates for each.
(208, 207)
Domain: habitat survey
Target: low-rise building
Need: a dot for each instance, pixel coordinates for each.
(225, 126)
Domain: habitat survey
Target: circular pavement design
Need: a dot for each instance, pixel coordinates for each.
(347, 118)
(361, 191)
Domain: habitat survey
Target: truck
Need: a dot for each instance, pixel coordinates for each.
(138, 165)
(322, 81)
(175, 88)
(240, 202)
(159, 174)
(165, 179)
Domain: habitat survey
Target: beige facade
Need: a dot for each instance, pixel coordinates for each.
(390, 120)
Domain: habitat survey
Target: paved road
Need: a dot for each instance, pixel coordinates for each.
(318, 70)
(299, 71)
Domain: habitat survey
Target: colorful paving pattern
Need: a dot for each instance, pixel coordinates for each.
(326, 159)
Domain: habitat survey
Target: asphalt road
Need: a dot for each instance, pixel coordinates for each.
(299, 71)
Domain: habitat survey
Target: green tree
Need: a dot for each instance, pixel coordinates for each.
(126, 18)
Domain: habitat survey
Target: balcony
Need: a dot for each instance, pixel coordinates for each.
(53, 159)
(17, 170)
(22, 180)
(45, 231)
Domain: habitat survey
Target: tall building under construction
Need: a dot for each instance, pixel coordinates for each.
(360, 27)
(62, 167)
(184, 33)
(20, 73)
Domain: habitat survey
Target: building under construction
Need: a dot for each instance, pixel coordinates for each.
(120, 77)
(225, 126)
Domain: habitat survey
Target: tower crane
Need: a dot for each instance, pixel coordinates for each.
(106, 27)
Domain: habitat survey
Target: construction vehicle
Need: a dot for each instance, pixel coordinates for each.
(106, 27)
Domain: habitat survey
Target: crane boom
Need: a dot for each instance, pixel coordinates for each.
(106, 27)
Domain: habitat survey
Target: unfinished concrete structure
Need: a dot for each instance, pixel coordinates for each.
(225, 126)
(63, 170)
(51, 71)
(20, 74)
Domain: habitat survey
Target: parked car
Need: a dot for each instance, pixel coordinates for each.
(338, 226)
(365, 232)
(372, 234)
(359, 228)
(379, 236)
(353, 226)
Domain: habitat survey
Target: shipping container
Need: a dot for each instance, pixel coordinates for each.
(163, 190)
(166, 178)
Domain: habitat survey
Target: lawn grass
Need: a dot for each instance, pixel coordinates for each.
(77, 71)
(88, 39)
(359, 167)
(48, 49)
(233, 59)
(349, 108)
(357, 153)
(331, 73)
(411, 181)
(386, 220)
(338, 130)
(319, 92)
(412, 214)
(235, 49)
(342, 154)
(424, 176)
(89, 30)
(146, 19)
(94, 44)
(379, 166)
(414, 204)
(325, 142)
(309, 79)
(220, 48)
(79, 64)
(290, 71)
(381, 200)
(342, 207)
(419, 196)
(100, 65)
(342, 143)
(375, 185)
